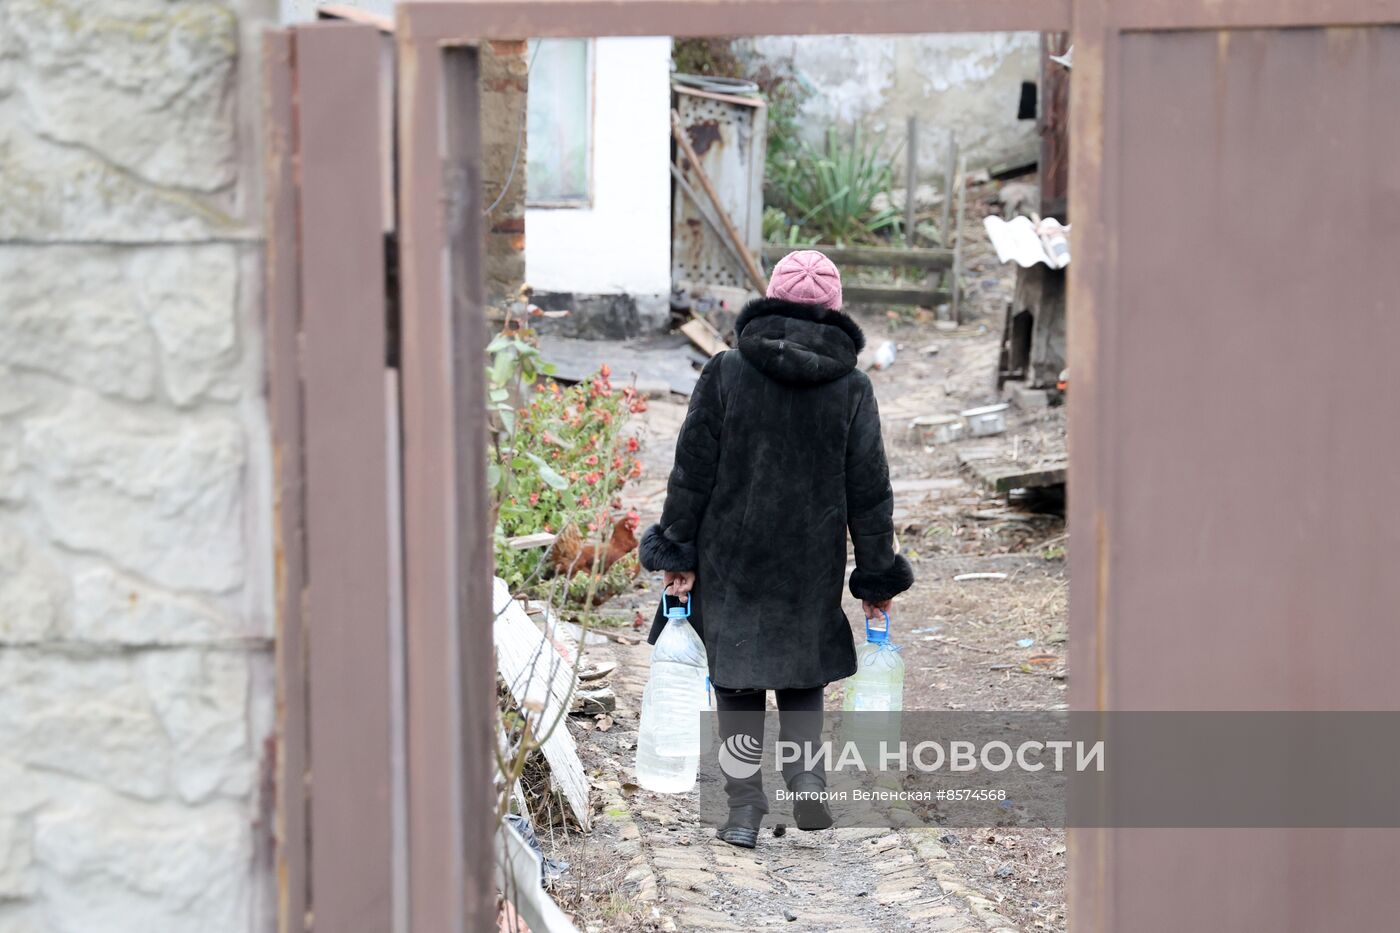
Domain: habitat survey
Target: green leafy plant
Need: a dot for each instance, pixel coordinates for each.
(832, 194)
(778, 228)
(558, 462)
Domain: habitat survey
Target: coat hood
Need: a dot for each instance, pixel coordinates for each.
(796, 343)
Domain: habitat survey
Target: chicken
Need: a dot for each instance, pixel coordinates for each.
(570, 555)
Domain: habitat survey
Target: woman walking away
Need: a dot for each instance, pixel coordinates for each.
(779, 456)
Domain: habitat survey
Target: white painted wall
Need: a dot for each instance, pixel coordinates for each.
(622, 244)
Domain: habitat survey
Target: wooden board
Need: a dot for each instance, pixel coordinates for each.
(894, 295)
(542, 683)
(1000, 474)
(704, 336)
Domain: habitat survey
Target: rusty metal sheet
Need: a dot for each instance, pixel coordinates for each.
(347, 603)
(428, 20)
(284, 402)
(730, 138)
(1232, 394)
(447, 550)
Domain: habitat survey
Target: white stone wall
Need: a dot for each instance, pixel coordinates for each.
(136, 618)
(969, 83)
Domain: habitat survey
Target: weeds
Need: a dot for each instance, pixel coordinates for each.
(831, 195)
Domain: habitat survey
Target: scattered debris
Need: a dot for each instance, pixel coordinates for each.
(704, 336)
(519, 863)
(965, 577)
(986, 420)
(593, 702)
(1024, 642)
(666, 360)
(884, 355)
(597, 671)
(542, 684)
(525, 542)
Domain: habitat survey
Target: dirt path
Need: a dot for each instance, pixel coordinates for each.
(661, 869)
(979, 645)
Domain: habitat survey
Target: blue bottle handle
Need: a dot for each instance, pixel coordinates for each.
(674, 612)
(879, 636)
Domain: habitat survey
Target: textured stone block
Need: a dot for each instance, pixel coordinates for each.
(157, 494)
(53, 192)
(149, 726)
(201, 700)
(114, 608)
(145, 84)
(130, 867)
(31, 591)
(73, 313)
(22, 797)
(87, 314)
(90, 719)
(188, 295)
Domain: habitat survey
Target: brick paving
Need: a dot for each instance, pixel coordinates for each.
(838, 879)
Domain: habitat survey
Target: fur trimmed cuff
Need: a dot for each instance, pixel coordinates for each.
(887, 584)
(658, 552)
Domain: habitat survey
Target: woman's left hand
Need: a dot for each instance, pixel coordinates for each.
(679, 583)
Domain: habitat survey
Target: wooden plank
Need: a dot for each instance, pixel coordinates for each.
(955, 274)
(704, 336)
(283, 291)
(894, 295)
(931, 259)
(542, 684)
(911, 176)
(347, 606)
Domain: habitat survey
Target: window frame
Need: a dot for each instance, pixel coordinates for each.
(591, 111)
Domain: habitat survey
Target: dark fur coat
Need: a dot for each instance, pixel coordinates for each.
(779, 458)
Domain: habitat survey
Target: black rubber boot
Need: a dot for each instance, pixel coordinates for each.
(809, 809)
(741, 829)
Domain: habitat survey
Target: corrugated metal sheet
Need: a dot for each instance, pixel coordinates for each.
(730, 136)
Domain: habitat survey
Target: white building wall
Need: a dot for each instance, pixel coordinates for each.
(622, 243)
(136, 619)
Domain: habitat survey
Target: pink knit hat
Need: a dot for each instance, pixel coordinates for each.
(806, 276)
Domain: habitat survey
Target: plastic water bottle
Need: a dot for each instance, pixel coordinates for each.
(875, 692)
(878, 683)
(668, 743)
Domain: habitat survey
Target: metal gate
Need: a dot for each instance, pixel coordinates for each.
(1231, 325)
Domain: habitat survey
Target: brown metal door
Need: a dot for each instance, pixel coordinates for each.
(333, 402)
(1233, 429)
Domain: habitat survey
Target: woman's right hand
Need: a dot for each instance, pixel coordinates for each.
(872, 610)
(679, 583)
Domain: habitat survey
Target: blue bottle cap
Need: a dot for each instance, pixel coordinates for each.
(678, 611)
(879, 636)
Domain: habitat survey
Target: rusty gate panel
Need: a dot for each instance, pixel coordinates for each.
(729, 135)
(1236, 537)
(282, 296)
(341, 356)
